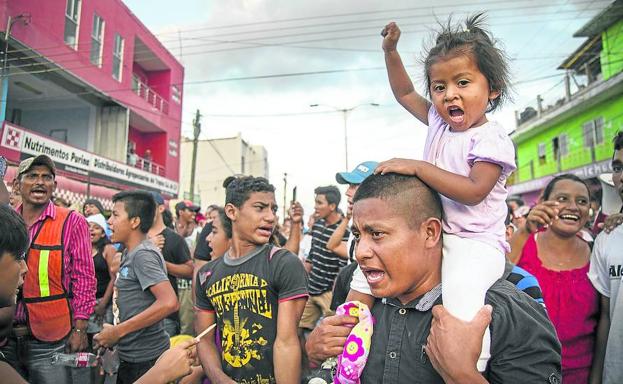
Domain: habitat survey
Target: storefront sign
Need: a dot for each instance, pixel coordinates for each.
(78, 161)
(585, 172)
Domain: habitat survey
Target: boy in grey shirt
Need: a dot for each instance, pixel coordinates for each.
(143, 295)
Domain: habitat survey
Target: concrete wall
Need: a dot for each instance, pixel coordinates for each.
(216, 160)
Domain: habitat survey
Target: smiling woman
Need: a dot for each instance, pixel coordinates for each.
(552, 248)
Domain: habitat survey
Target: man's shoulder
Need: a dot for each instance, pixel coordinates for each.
(523, 340)
(279, 254)
(171, 235)
(513, 309)
(208, 270)
(146, 249)
(73, 216)
(506, 293)
(614, 237)
(168, 232)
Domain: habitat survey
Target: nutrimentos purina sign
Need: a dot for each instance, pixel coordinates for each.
(84, 163)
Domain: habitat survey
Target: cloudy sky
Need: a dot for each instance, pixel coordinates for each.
(255, 66)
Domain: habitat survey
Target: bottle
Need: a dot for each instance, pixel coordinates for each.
(80, 359)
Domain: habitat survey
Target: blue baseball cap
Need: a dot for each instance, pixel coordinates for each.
(358, 175)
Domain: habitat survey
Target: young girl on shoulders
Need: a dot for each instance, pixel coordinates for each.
(467, 158)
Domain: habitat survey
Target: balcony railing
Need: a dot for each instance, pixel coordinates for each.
(149, 95)
(146, 165)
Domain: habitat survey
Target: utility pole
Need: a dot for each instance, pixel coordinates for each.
(345, 112)
(285, 192)
(196, 133)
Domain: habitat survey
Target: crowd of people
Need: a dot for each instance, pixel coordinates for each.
(431, 274)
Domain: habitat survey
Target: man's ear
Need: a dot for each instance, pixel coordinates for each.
(16, 185)
(433, 229)
(231, 211)
(333, 207)
(135, 222)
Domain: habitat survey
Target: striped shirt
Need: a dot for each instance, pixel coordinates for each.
(78, 270)
(325, 264)
(526, 282)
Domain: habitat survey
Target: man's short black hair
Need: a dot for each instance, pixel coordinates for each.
(331, 193)
(410, 195)
(139, 204)
(239, 189)
(13, 233)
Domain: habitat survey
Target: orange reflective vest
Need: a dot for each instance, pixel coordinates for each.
(45, 299)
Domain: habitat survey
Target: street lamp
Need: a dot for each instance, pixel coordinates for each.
(345, 112)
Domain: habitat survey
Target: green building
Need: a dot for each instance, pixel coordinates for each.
(574, 135)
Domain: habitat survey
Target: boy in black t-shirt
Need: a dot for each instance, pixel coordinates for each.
(255, 293)
(176, 255)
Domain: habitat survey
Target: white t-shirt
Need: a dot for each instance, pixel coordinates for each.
(605, 273)
(305, 246)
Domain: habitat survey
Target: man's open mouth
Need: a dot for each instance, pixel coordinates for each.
(373, 275)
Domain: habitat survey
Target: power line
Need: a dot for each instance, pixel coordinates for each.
(350, 14)
(216, 42)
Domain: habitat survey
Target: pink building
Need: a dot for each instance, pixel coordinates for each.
(85, 82)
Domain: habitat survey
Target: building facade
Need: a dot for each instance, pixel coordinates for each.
(216, 160)
(574, 135)
(86, 83)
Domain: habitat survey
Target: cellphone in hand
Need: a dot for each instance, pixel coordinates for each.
(294, 194)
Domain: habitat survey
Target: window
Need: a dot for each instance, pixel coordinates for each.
(72, 20)
(563, 143)
(97, 40)
(587, 132)
(593, 132)
(242, 164)
(117, 57)
(599, 131)
(556, 148)
(541, 152)
(176, 95)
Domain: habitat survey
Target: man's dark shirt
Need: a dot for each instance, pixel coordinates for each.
(174, 251)
(202, 249)
(524, 345)
(342, 285)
